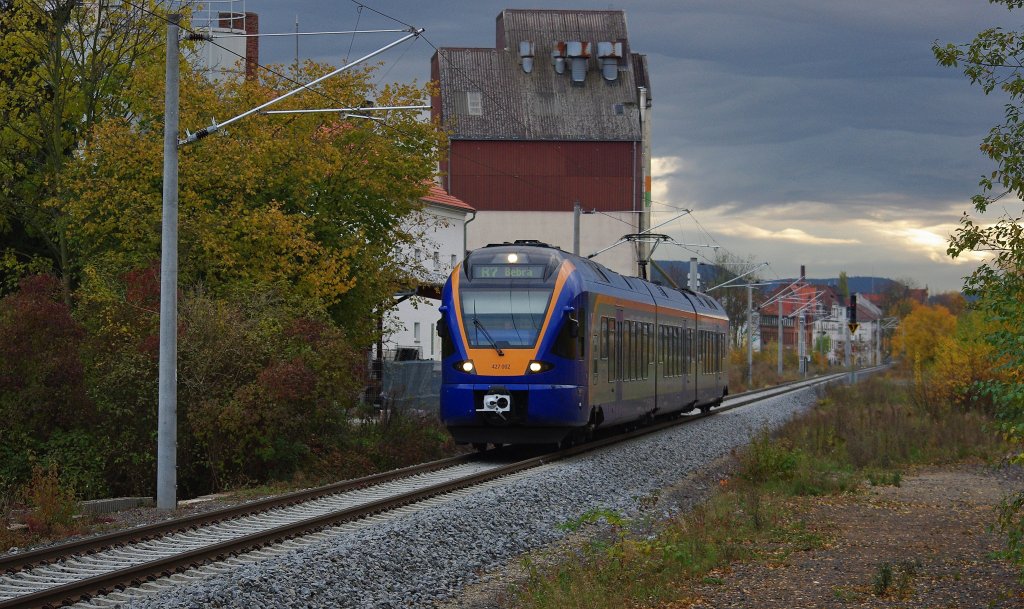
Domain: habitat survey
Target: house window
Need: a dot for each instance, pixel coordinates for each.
(416, 331)
(418, 254)
(454, 260)
(437, 261)
(474, 103)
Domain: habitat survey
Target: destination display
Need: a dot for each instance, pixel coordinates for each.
(508, 271)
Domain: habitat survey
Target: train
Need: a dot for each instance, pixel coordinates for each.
(541, 346)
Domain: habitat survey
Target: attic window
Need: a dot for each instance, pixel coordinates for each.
(474, 103)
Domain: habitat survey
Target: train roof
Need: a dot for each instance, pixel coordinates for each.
(598, 273)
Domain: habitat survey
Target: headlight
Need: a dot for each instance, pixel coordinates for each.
(465, 366)
(536, 366)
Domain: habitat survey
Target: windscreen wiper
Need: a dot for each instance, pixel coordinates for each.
(487, 335)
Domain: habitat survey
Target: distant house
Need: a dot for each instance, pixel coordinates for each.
(412, 322)
(550, 116)
(802, 306)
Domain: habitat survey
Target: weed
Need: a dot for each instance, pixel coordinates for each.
(859, 434)
(592, 516)
(883, 579)
(51, 505)
(883, 478)
(896, 581)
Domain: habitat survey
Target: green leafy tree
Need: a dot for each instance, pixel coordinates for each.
(63, 67)
(306, 201)
(994, 60)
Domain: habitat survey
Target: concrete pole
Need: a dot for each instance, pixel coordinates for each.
(780, 337)
(800, 350)
(750, 335)
(167, 423)
(693, 275)
(644, 217)
(576, 228)
(878, 342)
(847, 351)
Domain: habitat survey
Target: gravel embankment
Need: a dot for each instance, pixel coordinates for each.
(429, 555)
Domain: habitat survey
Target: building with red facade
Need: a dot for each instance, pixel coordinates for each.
(554, 114)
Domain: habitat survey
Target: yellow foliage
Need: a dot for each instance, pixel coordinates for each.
(922, 331)
(281, 200)
(958, 365)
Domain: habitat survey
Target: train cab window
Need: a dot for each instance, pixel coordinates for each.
(504, 317)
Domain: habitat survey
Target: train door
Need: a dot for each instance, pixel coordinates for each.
(689, 361)
(617, 369)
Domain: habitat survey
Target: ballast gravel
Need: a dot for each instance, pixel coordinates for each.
(428, 555)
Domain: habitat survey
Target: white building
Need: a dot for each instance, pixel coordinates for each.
(412, 323)
(865, 340)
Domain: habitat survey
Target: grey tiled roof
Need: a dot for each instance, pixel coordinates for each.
(542, 104)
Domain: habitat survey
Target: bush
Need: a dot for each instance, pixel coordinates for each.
(41, 374)
(264, 392)
(51, 505)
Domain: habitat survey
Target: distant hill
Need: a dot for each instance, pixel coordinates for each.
(679, 270)
(862, 285)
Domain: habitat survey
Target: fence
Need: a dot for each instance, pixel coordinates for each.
(411, 385)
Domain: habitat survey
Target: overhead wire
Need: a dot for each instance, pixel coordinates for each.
(497, 103)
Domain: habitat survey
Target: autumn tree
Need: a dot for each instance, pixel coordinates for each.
(954, 301)
(63, 67)
(920, 333)
(994, 60)
(282, 219)
(896, 301)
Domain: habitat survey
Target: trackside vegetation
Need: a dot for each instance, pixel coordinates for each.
(856, 436)
(291, 239)
(993, 61)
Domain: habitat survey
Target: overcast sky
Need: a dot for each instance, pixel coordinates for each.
(816, 132)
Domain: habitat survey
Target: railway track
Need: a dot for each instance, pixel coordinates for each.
(100, 571)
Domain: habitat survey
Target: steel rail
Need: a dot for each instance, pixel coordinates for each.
(136, 575)
(24, 560)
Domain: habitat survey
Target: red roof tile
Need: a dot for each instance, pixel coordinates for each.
(439, 196)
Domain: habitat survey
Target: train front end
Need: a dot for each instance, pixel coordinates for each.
(510, 328)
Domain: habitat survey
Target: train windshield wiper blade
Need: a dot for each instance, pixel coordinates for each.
(487, 335)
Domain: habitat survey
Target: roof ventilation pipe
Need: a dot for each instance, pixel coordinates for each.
(558, 57)
(579, 54)
(526, 55)
(609, 54)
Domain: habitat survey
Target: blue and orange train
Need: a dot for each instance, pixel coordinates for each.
(541, 346)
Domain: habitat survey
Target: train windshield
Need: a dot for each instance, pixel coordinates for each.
(504, 318)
